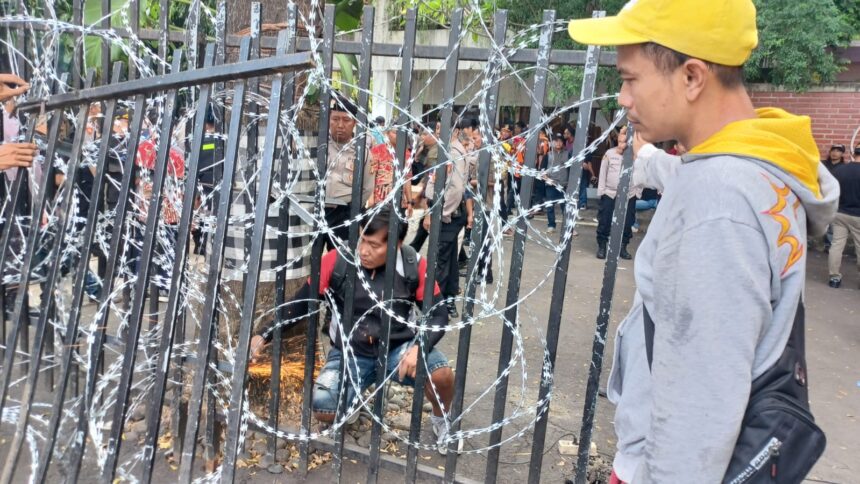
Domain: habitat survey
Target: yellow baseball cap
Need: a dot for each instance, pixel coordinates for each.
(719, 31)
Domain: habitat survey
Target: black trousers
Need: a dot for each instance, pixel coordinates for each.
(604, 219)
(447, 270)
(335, 216)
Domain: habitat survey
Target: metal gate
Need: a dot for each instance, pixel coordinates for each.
(180, 350)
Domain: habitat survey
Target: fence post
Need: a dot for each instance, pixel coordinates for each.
(357, 198)
(235, 420)
(153, 217)
(407, 57)
(510, 317)
(327, 57)
(283, 241)
(563, 262)
(479, 232)
(169, 326)
(216, 260)
(606, 292)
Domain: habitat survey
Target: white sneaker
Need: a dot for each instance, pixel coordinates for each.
(550, 230)
(440, 430)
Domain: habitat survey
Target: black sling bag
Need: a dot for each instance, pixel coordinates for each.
(779, 441)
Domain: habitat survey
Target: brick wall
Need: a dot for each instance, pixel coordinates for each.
(835, 112)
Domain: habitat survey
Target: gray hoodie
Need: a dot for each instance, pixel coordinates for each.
(721, 270)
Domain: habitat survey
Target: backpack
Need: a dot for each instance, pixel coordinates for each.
(779, 440)
(410, 270)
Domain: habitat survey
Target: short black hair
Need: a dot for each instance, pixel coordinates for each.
(667, 60)
(340, 102)
(466, 122)
(379, 222)
(522, 125)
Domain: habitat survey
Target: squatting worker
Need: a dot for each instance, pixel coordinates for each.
(363, 341)
(722, 267)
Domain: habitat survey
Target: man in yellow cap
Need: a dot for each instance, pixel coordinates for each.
(722, 269)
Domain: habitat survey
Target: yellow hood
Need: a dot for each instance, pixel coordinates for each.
(775, 136)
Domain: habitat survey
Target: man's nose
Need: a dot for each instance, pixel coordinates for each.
(624, 97)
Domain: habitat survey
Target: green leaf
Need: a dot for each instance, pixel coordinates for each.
(347, 14)
(348, 64)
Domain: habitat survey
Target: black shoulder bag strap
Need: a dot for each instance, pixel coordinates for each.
(410, 267)
(338, 275)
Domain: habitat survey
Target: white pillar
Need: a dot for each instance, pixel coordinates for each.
(383, 94)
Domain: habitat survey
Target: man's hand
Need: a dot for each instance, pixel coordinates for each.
(7, 92)
(638, 143)
(13, 155)
(426, 223)
(258, 344)
(470, 220)
(408, 363)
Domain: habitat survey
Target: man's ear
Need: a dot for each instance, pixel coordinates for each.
(696, 73)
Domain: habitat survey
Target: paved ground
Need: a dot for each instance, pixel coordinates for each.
(833, 335)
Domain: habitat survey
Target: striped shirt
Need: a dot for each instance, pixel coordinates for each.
(301, 183)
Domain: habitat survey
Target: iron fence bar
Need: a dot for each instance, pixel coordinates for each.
(105, 44)
(209, 447)
(47, 302)
(11, 205)
(164, 28)
(21, 42)
(251, 145)
(192, 35)
(316, 252)
(24, 341)
(213, 281)
(20, 315)
(134, 26)
(174, 80)
(519, 244)
(96, 348)
(76, 448)
(607, 290)
(153, 218)
(478, 54)
(563, 265)
(249, 293)
(78, 64)
(357, 203)
(283, 240)
(449, 91)
(169, 327)
(249, 182)
(393, 233)
(479, 233)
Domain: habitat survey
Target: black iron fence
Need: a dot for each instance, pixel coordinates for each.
(144, 237)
